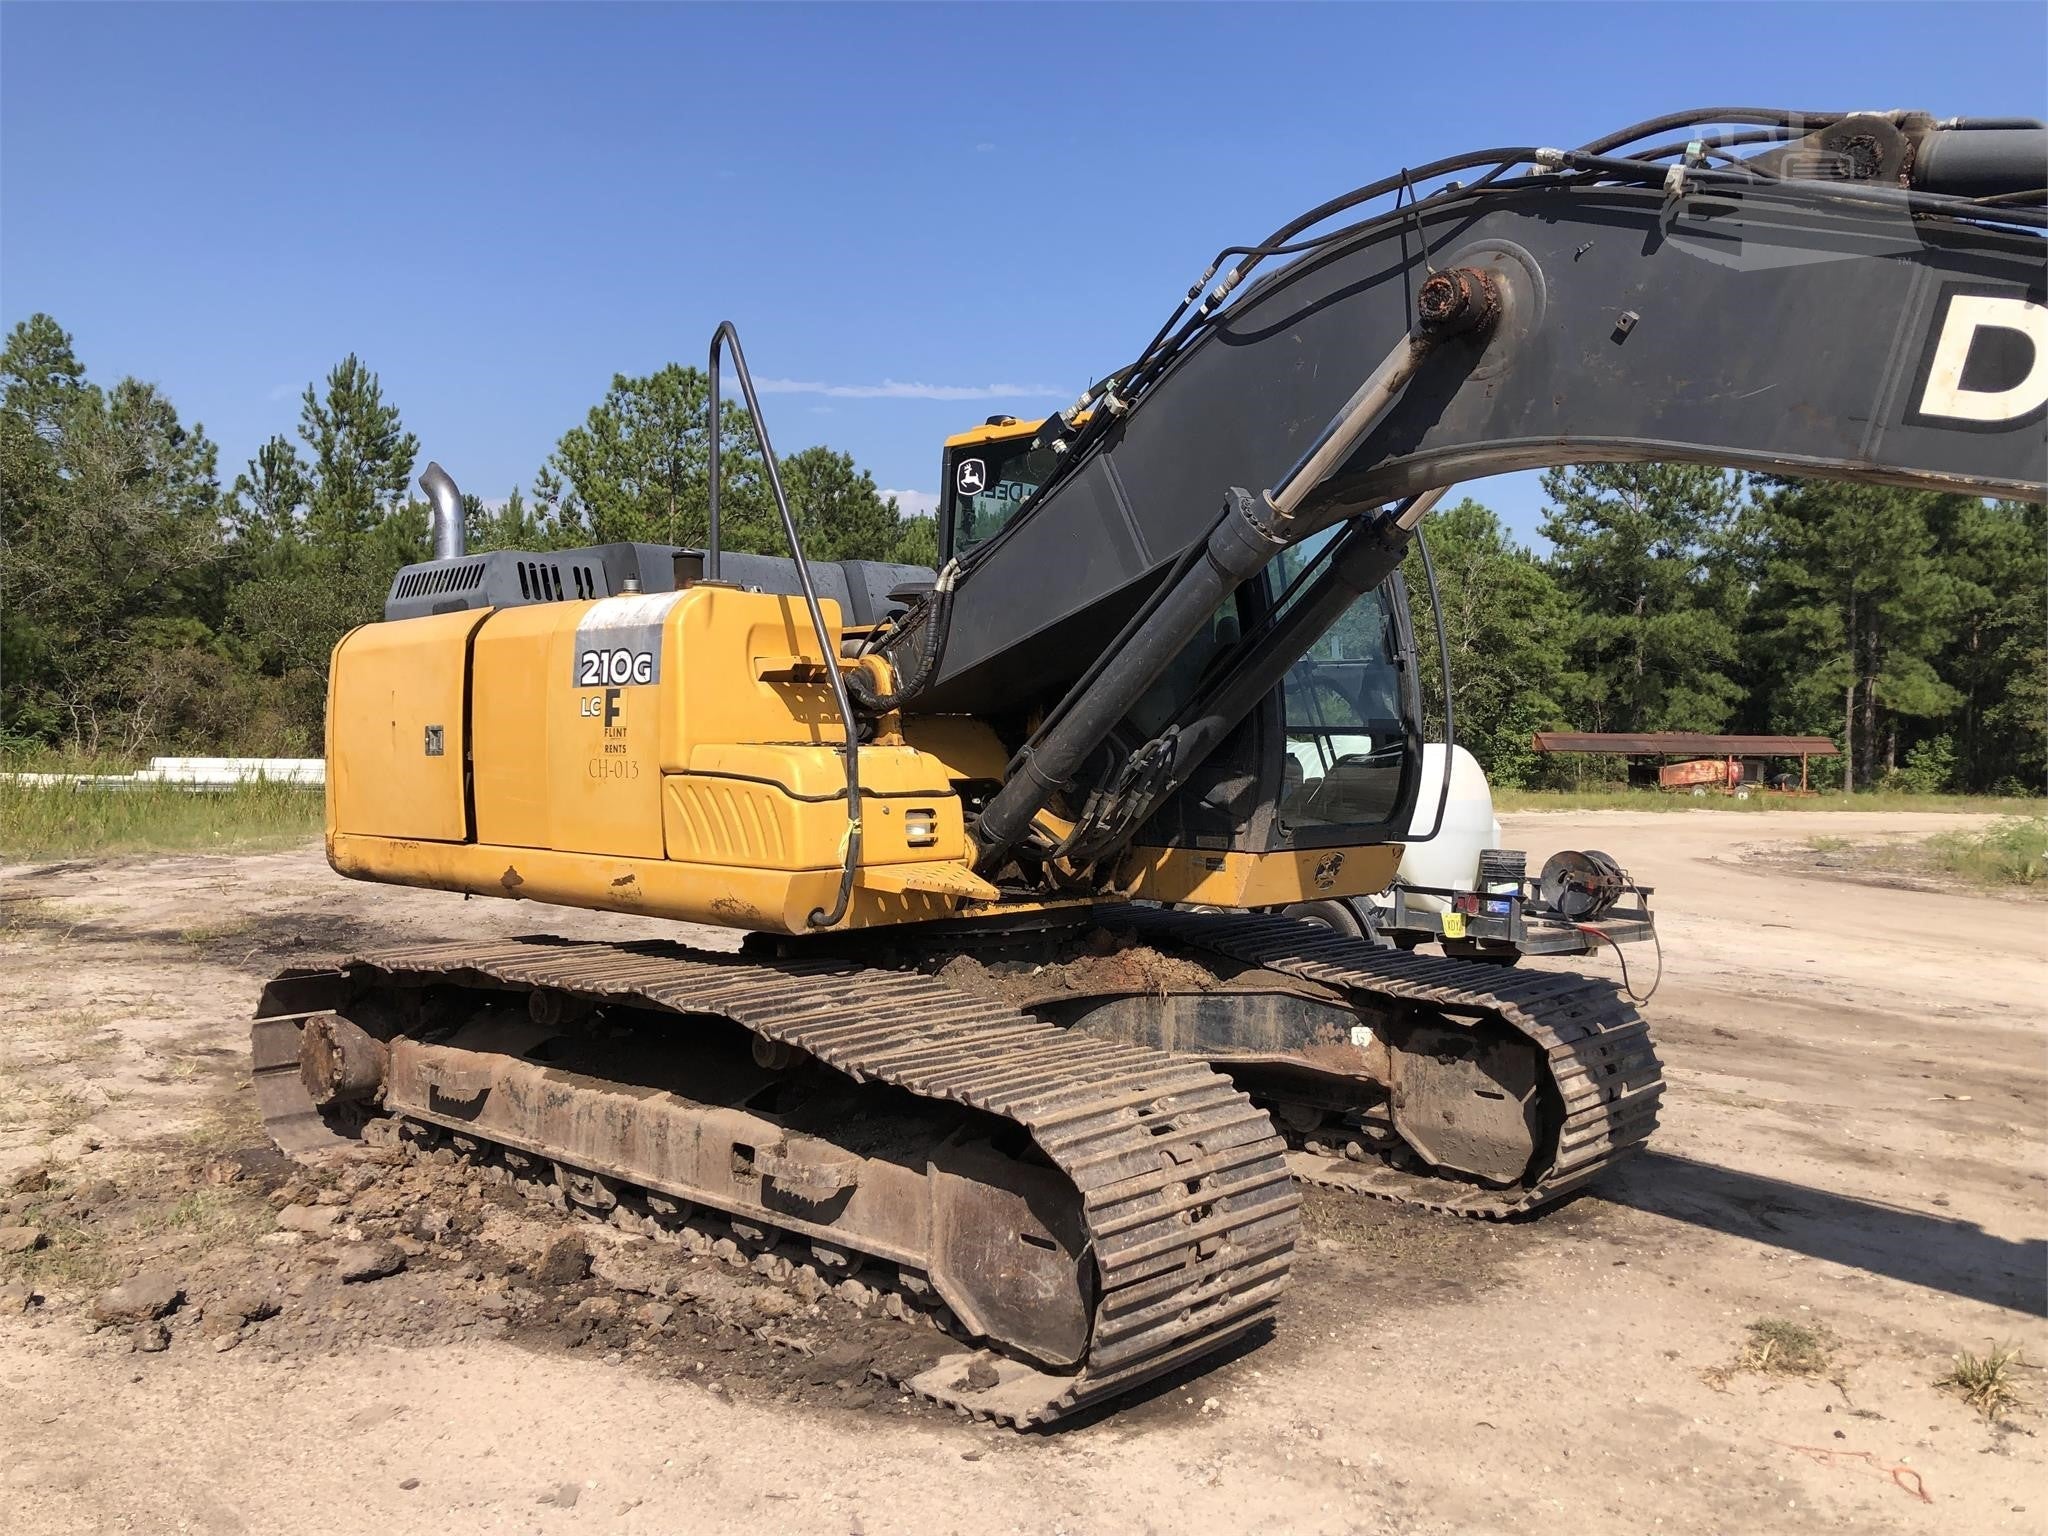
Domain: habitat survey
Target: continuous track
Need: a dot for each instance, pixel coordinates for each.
(1190, 1214)
(1604, 1078)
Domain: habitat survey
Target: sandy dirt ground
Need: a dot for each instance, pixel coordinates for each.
(1853, 1140)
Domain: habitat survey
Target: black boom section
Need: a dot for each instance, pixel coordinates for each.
(1785, 326)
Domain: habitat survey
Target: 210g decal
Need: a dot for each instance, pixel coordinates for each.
(595, 669)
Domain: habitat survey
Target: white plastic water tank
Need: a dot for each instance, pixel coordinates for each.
(1451, 858)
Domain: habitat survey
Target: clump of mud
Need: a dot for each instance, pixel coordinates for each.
(1102, 961)
(378, 1247)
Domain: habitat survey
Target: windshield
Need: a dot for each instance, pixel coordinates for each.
(989, 482)
(1346, 741)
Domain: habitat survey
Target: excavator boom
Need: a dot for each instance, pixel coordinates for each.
(1823, 309)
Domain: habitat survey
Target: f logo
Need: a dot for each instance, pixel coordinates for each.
(611, 705)
(971, 478)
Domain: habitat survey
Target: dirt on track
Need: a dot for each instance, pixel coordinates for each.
(1853, 1141)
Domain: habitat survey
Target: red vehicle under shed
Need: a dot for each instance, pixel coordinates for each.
(1694, 760)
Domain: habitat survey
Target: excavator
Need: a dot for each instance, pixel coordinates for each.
(1019, 1028)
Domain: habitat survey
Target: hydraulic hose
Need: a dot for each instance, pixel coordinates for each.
(1769, 117)
(938, 624)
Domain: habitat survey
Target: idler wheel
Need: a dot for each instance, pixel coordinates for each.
(339, 1061)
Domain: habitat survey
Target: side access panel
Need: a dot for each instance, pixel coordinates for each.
(398, 729)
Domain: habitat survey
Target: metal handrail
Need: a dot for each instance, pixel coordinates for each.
(727, 336)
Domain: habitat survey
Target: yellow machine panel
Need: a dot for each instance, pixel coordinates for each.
(395, 725)
(603, 691)
(670, 753)
(580, 709)
(510, 716)
(1222, 879)
(780, 807)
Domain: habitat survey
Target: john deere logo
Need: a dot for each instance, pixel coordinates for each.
(971, 477)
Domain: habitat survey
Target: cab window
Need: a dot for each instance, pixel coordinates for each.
(1346, 739)
(988, 482)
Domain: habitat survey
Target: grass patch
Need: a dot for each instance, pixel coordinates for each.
(215, 1216)
(21, 916)
(65, 1111)
(1779, 1347)
(49, 1114)
(215, 933)
(2007, 855)
(1511, 800)
(75, 1257)
(39, 821)
(2012, 852)
(1986, 1382)
(228, 1125)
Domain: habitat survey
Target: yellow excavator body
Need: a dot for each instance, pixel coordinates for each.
(678, 755)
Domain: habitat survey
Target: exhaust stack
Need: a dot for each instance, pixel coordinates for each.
(451, 533)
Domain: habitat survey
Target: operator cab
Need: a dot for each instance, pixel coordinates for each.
(1334, 757)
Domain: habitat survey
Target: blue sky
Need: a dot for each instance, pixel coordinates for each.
(917, 215)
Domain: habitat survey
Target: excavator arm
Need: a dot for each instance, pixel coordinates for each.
(1865, 299)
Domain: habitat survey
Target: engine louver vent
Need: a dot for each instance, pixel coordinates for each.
(435, 580)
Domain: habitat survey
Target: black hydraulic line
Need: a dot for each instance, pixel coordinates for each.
(938, 624)
(727, 336)
(1863, 194)
(1315, 216)
(1346, 231)
(1775, 117)
(1276, 244)
(1713, 143)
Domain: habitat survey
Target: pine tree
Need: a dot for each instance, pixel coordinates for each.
(1642, 552)
(1854, 607)
(111, 526)
(1995, 655)
(268, 502)
(362, 457)
(322, 537)
(1505, 623)
(838, 512)
(638, 468)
